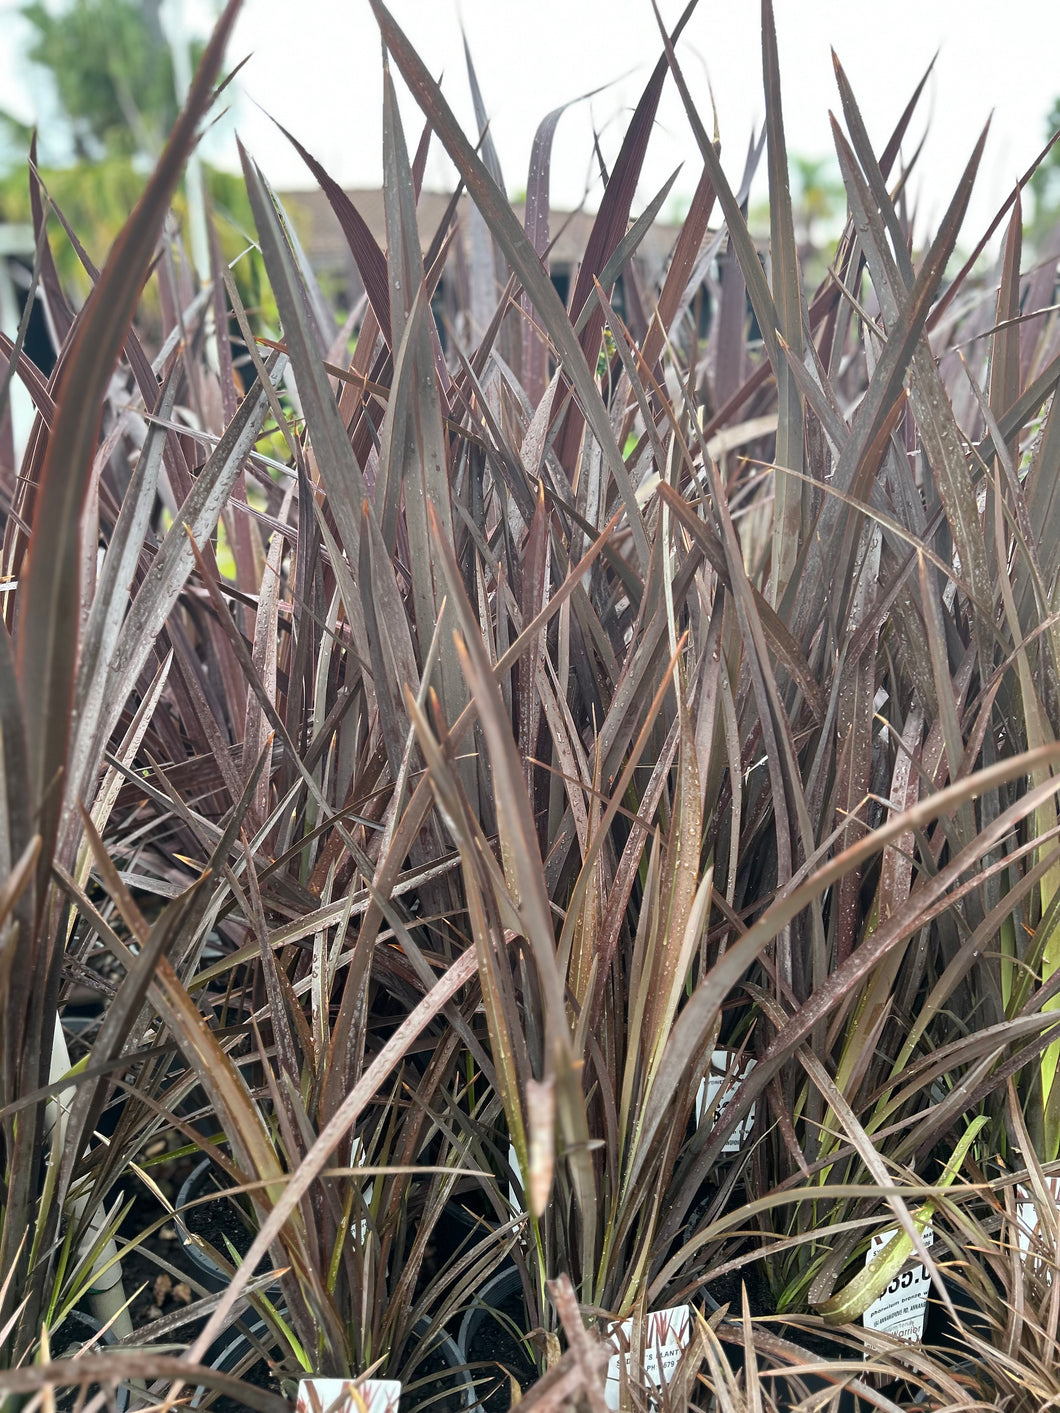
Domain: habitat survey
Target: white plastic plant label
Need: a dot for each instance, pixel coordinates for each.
(666, 1335)
(1031, 1236)
(358, 1158)
(902, 1308)
(513, 1162)
(721, 1080)
(348, 1396)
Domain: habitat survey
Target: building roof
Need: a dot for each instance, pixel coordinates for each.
(325, 245)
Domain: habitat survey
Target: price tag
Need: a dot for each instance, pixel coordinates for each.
(348, 1396)
(902, 1308)
(719, 1083)
(666, 1334)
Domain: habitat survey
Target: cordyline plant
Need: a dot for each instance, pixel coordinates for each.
(138, 659)
(578, 701)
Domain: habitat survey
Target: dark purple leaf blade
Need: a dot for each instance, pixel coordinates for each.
(370, 260)
(792, 505)
(59, 311)
(874, 170)
(404, 258)
(682, 262)
(609, 229)
(1005, 349)
(536, 226)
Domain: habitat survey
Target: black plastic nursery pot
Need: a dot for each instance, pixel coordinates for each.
(215, 1223)
(440, 1382)
(788, 1386)
(238, 1352)
(947, 1338)
(490, 1337)
(491, 1343)
(792, 1385)
(77, 1330)
(440, 1378)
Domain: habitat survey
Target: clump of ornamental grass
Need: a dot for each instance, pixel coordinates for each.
(454, 747)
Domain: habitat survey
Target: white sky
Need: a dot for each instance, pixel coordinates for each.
(315, 65)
